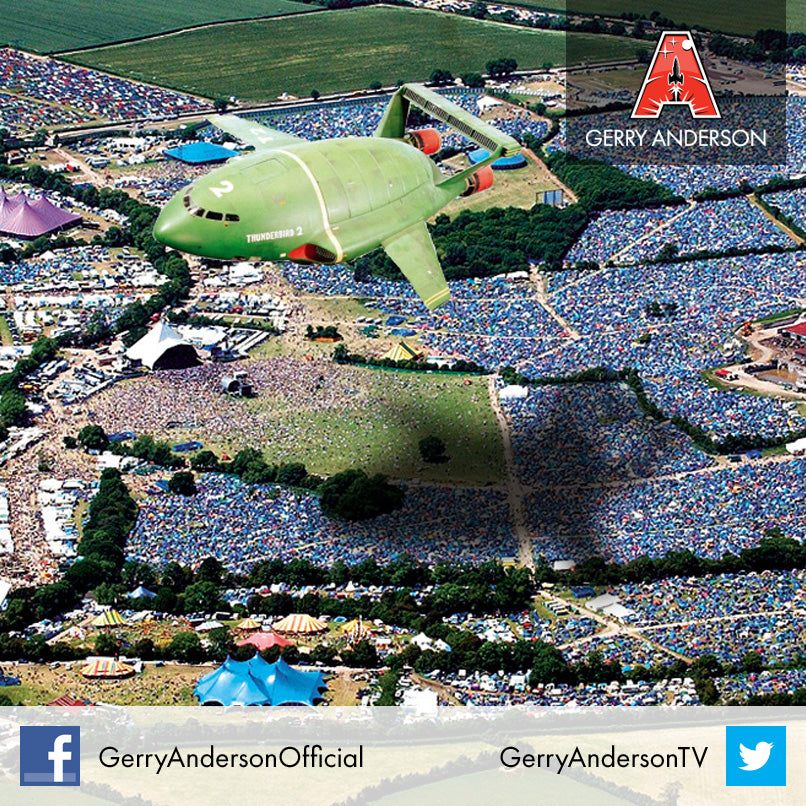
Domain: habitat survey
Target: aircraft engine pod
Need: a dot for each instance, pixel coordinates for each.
(429, 141)
(481, 180)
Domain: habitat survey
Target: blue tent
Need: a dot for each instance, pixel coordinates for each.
(256, 682)
(141, 593)
(200, 153)
(503, 164)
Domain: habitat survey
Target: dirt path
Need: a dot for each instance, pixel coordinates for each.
(514, 489)
(753, 199)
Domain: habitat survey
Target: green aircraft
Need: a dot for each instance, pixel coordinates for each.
(334, 200)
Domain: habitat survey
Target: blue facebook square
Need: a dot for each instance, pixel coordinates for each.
(49, 756)
(755, 755)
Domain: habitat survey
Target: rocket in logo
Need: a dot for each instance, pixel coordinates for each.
(676, 77)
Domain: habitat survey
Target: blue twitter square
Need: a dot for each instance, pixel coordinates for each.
(755, 755)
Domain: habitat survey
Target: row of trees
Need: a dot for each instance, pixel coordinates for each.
(733, 443)
(600, 186)
(342, 355)
(112, 515)
(489, 242)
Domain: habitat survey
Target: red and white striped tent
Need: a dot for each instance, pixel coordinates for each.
(107, 668)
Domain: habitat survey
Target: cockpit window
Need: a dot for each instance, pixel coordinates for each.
(200, 212)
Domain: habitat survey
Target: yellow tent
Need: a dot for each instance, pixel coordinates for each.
(401, 352)
(349, 626)
(299, 623)
(110, 618)
(248, 624)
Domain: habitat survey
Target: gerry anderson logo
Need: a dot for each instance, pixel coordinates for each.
(676, 78)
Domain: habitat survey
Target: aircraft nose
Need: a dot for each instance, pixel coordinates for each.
(171, 224)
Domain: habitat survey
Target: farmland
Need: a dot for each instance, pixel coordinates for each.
(259, 60)
(720, 15)
(82, 23)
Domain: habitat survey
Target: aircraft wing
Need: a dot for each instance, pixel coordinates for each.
(252, 133)
(413, 253)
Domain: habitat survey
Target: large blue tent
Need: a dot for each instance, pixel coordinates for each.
(201, 153)
(257, 682)
(503, 164)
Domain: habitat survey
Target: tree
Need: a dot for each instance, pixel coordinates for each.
(204, 461)
(201, 597)
(221, 105)
(182, 483)
(186, 648)
(473, 80)
(432, 449)
(219, 642)
(292, 474)
(106, 644)
(164, 601)
(441, 77)
(210, 570)
(315, 94)
(352, 495)
(93, 438)
(752, 661)
(12, 408)
(501, 68)
(548, 666)
(363, 656)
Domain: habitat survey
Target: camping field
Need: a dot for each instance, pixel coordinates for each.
(344, 50)
(721, 15)
(46, 26)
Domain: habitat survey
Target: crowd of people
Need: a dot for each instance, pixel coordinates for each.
(682, 599)
(792, 203)
(626, 650)
(241, 524)
(71, 87)
(360, 117)
(777, 637)
(714, 226)
(589, 434)
(710, 512)
(612, 231)
(737, 688)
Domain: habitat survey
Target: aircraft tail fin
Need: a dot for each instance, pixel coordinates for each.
(440, 108)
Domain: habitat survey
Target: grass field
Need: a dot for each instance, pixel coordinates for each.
(720, 15)
(518, 188)
(342, 50)
(46, 26)
(328, 417)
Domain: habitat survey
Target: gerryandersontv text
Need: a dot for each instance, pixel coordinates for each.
(683, 756)
(308, 756)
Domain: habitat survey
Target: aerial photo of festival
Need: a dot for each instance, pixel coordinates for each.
(239, 467)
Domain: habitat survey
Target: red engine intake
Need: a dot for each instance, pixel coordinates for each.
(429, 141)
(481, 180)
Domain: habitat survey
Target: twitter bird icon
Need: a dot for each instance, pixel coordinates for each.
(755, 755)
(755, 759)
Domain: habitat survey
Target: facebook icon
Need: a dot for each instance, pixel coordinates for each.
(49, 756)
